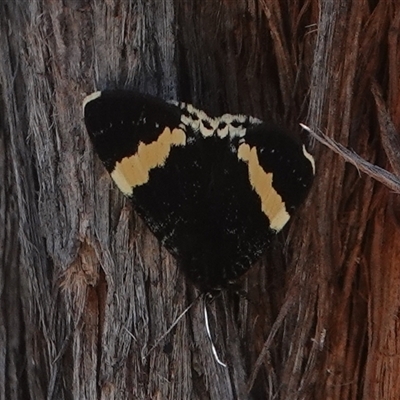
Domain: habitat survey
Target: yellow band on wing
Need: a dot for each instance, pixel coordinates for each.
(134, 170)
(271, 202)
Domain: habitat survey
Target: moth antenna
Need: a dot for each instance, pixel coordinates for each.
(214, 350)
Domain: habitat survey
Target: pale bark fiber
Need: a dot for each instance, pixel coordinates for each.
(86, 290)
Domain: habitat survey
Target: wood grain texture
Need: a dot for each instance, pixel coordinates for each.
(87, 292)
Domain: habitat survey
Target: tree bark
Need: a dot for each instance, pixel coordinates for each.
(88, 295)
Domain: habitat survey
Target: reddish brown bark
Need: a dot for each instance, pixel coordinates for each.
(86, 291)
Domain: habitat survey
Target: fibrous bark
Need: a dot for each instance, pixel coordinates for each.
(87, 293)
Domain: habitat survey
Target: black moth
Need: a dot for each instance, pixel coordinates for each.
(212, 190)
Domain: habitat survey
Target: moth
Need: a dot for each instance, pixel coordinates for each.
(214, 191)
